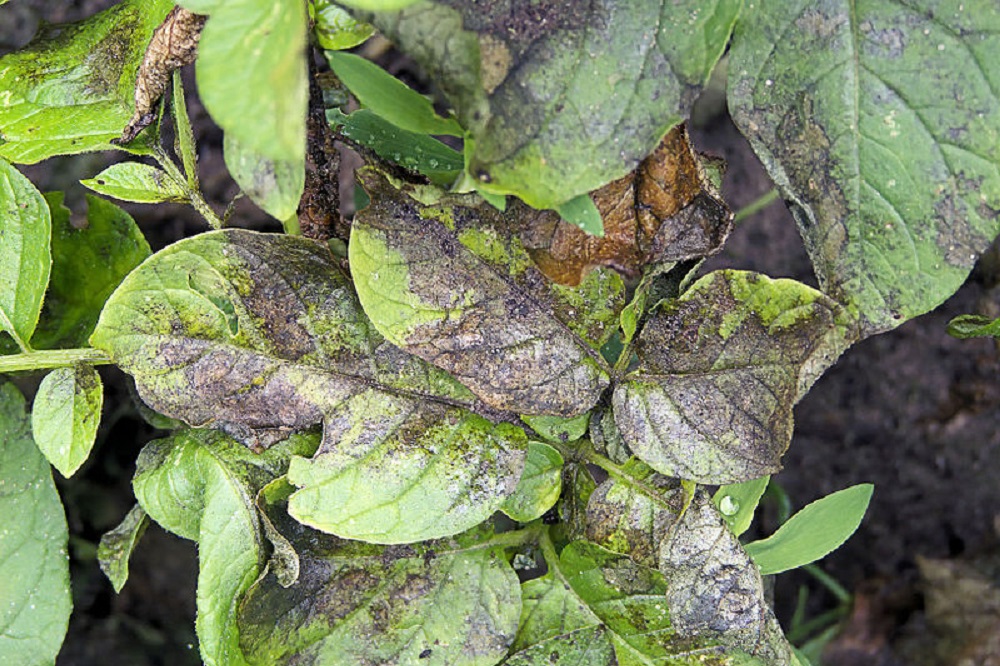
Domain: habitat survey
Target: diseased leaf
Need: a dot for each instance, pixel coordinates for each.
(252, 73)
(274, 185)
(589, 646)
(540, 484)
(261, 334)
(450, 282)
(521, 75)
(550, 609)
(25, 258)
(880, 123)
(713, 589)
(577, 485)
(34, 565)
(87, 264)
(65, 416)
(134, 181)
(174, 44)
(335, 29)
(418, 152)
(666, 210)
(737, 502)
(974, 326)
(814, 532)
(200, 485)
(71, 90)
(445, 602)
(115, 549)
(388, 97)
(719, 371)
(557, 429)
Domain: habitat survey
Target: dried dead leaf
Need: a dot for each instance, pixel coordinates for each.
(173, 45)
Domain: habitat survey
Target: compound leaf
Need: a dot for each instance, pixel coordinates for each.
(71, 90)
(115, 549)
(261, 334)
(445, 602)
(65, 416)
(88, 262)
(719, 371)
(880, 123)
(252, 74)
(25, 259)
(521, 76)
(450, 281)
(34, 565)
(814, 532)
(138, 182)
(540, 484)
(201, 485)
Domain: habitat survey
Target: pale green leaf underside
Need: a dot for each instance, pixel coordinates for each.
(65, 416)
(74, 92)
(34, 565)
(137, 182)
(880, 122)
(435, 603)
(719, 371)
(274, 185)
(115, 549)
(450, 282)
(540, 484)
(814, 532)
(25, 259)
(252, 74)
(522, 76)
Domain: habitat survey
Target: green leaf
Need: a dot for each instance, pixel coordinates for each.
(450, 281)
(540, 484)
(261, 334)
(880, 123)
(184, 145)
(115, 549)
(274, 185)
(558, 429)
(201, 485)
(72, 89)
(417, 152)
(138, 182)
(581, 211)
(589, 646)
(335, 29)
(521, 76)
(87, 264)
(252, 74)
(34, 565)
(25, 260)
(719, 370)
(550, 609)
(377, 5)
(65, 416)
(443, 602)
(814, 532)
(974, 326)
(388, 97)
(737, 502)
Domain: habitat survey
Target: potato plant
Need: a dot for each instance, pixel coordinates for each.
(499, 415)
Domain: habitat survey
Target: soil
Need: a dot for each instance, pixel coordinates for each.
(913, 411)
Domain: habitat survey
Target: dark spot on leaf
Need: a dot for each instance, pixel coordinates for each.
(426, 653)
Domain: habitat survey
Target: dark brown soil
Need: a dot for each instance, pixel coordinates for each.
(913, 411)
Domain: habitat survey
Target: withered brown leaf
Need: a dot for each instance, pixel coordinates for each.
(665, 210)
(173, 45)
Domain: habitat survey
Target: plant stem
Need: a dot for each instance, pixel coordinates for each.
(194, 195)
(755, 206)
(52, 358)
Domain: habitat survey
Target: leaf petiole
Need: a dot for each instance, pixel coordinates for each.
(52, 358)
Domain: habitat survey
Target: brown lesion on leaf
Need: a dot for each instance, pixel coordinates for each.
(173, 45)
(494, 62)
(665, 210)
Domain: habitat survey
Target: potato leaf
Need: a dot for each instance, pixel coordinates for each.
(71, 90)
(521, 76)
(274, 185)
(88, 262)
(540, 484)
(450, 282)
(974, 326)
(65, 416)
(362, 604)
(737, 502)
(115, 549)
(138, 182)
(34, 565)
(335, 29)
(201, 485)
(261, 335)
(814, 532)
(719, 371)
(25, 258)
(880, 123)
